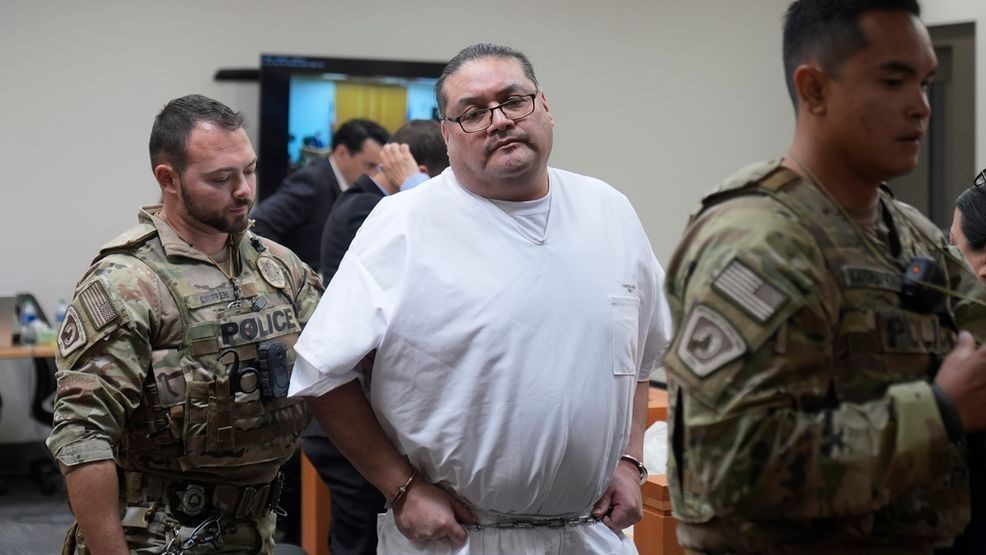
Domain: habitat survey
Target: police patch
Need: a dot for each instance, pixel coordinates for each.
(71, 335)
(271, 272)
(709, 342)
(750, 292)
(98, 305)
(254, 327)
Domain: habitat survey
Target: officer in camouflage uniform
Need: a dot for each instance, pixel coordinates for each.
(820, 390)
(171, 417)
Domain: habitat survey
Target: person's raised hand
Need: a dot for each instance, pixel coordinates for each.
(962, 376)
(397, 163)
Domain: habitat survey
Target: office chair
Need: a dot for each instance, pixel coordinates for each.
(43, 470)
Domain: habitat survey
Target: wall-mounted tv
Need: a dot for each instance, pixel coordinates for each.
(303, 99)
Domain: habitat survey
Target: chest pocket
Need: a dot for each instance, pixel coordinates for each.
(625, 312)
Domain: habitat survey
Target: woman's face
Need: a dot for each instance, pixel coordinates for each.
(975, 258)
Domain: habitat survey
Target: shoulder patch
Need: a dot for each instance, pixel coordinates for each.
(72, 334)
(97, 304)
(750, 292)
(271, 271)
(709, 341)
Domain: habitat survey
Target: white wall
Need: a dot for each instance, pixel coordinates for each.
(663, 98)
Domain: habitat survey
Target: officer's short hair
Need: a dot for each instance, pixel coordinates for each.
(174, 123)
(475, 52)
(355, 132)
(424, 138)
(828, 31)
(972, 205)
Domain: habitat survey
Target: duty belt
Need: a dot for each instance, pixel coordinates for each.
(503, 521)
(194, 501)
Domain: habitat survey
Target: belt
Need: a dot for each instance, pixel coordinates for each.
(502, 521)
(192, 501)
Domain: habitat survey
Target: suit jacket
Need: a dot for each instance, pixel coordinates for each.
(347, 216)
(296, 213)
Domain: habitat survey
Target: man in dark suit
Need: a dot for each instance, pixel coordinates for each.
(296, 213)
(416, 147)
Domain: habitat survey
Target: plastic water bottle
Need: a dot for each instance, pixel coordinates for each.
(29, 315)
(60, 311)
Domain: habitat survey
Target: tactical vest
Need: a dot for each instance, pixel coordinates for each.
(203, 415)
(877, 341)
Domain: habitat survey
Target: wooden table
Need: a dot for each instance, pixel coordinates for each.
(655, 533)
(316, 510)
(657, 405)
(27, 351)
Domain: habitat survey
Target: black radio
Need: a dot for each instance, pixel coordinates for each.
(923, 286)
(275, 376)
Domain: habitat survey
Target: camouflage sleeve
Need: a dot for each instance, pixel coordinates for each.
(306, 285)
(754, 427)
(104, 349)
(309, 292)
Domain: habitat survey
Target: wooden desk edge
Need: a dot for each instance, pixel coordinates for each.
(27, 351)
(657, 405)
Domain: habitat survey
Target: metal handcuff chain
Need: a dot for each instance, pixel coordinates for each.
(538, 523)
(173, 545)
(201, 535)
(879, 256)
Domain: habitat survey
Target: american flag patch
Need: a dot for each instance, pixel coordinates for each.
(98, 305)
(746, 289)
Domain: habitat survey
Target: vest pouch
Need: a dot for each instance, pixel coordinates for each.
(263, 432)
(154, 429)
(208, 413)
(270, 429)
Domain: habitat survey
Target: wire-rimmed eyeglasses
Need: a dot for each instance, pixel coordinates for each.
(515, 108)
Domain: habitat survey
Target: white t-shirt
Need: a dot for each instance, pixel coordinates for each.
(505, 367)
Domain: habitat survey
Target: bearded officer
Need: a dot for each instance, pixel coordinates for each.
(820, 388)
(171, 417)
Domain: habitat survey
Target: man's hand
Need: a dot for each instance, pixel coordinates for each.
(621, 505)
(397, 163)
(429, 513)
(962, 376)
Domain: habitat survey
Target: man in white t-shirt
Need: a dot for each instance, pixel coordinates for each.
(512, 314)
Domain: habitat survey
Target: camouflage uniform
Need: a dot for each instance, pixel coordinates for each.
(802, 415)
(157, 371)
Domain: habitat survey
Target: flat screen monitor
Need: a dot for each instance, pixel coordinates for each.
(303, 99)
